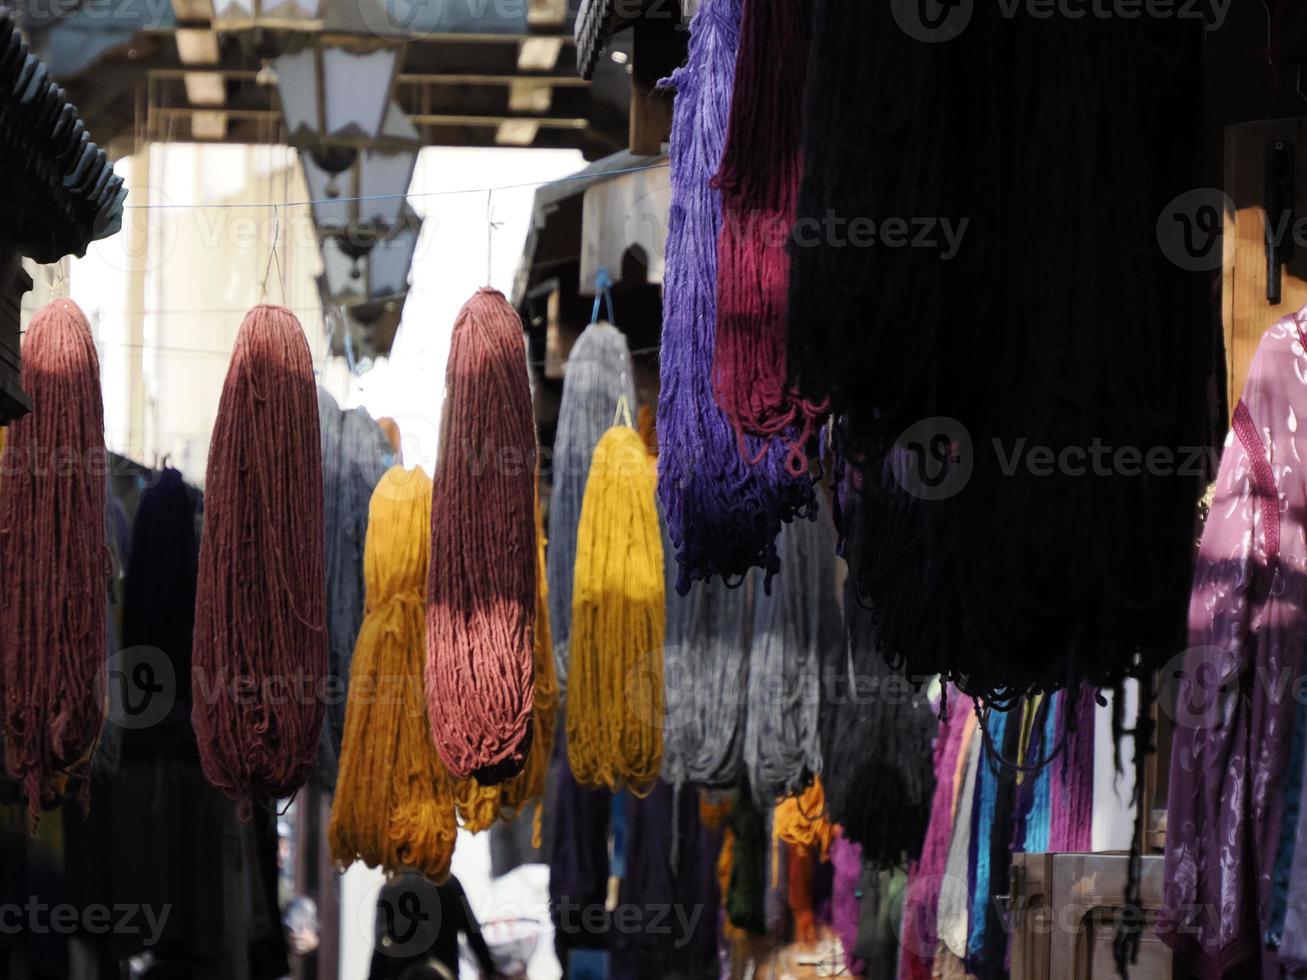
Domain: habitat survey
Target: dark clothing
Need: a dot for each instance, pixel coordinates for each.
(418, 922)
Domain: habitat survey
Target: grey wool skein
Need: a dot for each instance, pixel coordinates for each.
(706, 675)
(794, 629)
(598, 376)
(354, 458)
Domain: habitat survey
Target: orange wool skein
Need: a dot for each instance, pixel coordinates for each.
(801, 820)
(394, 804)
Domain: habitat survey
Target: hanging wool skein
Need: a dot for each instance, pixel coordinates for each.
(795, 628)
(481, 590)
(722, 514)
(705, 671)
(349, 476)
(394, 803)
(759, 182)
(52, 534)
(877, 737)
(615, 702)
(260, 650)
(599, 375)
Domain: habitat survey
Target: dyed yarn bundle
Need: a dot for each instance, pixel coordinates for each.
(1042, 353)
(615, 701)
(706, 676)
(159, 606)
(349, 475)
(394, 803)
(599, 376)
(52, 527)
(759, 183)
(260, 646)
(722, 514)
(480, 806)
(877, 731)
(795, 630)
(481, 590)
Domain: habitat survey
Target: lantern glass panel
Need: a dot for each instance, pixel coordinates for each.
(298, 89)
(338, 272)
(384, 176)
(389, 261)
(356, 88)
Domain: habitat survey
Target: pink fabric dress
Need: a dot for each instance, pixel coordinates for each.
(1236, 683)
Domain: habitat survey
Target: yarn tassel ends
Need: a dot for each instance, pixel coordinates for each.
(759, 182)
(260, 648)
(481, 589)
(52, 528)
(615, 701)
(722, 514)
(599, 375)
(795, 630)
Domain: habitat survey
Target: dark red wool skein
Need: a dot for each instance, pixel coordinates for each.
(482, 579)
(260, 651)
(759, 182)
(52, 548)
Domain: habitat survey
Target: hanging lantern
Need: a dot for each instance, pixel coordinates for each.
(334, 90)
(362, 204)
(381, 272)
(296, 15)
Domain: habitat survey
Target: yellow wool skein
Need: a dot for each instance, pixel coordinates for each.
(394, 804)
(615, 683)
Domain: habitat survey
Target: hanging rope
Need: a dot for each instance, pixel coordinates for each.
(52, 543)
(481, 589)
(706, 676)
(394, 804)
(260, 649)
(599, 375)
(351, 473)
(759, 183)
(615, 702)
(794, 628)
(722, 514)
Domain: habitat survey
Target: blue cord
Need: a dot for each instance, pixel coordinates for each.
(604, 294)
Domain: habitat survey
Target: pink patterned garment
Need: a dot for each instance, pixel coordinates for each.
(920, 936)
(1237, 684)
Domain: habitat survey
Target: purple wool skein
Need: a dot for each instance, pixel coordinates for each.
(723, 514)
